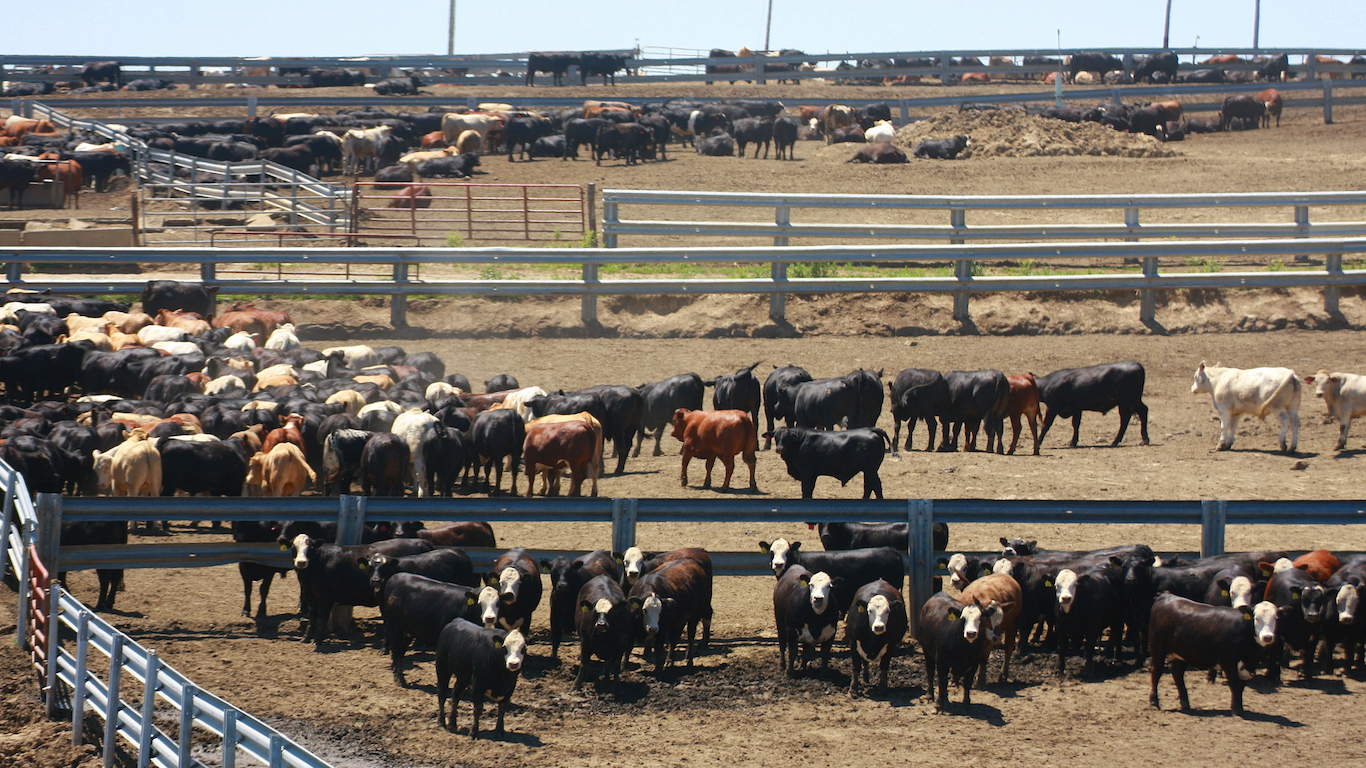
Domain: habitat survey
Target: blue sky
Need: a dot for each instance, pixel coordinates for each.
(348, 28)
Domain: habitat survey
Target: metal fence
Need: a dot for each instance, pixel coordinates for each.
(31, 549)
(554, 213)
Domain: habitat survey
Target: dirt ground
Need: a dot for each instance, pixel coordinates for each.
(735, 706)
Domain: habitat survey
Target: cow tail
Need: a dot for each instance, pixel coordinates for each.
(1002, 406)
(1289, 388)
(882, 433)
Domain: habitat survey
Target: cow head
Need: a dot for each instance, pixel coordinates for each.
(601, 610)
(781, 553)
(633, 564)
(1240, 591)
(1065, 587)
(821, 588)
(381, 568)
(488, 602)
(302, 547)
(962, 570)
(879, 610)
(1018, 547)
(513, 645)
(1325, 382)
(680, 423)
(651, 611)
(1313, 600)
(508, 582)
(1201, 382)
(1003, 566)
(1346, 601)
(1264, 623)
(1282, 564)
(971, 616)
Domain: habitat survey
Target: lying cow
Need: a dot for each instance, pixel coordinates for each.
(1256, 392)
(942, 149)
(881, 153)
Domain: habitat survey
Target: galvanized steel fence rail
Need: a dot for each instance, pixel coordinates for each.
(31, 549)
(963, 283)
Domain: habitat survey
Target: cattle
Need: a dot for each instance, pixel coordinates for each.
(1099, 63)
(807, 616)
(487, 661)
(1271, 99)
(879, 154)
(835, 117)
(785, 130)
(66, 173)
(753, 130)
(1256, 392)
(555, 64)
(1344, 395)
(1164, 62)
(660, 399)
(779, 391)
(604, 625)
(522, 132)
(149, 84)
(1205, 637)
(977, 398)
(15, 175)
(1244, 108)
(1277, 68)
(97, 71)
(1070, 391)
(919, 393)
(256, 532)
(319, 77)
(622, 140)
(412, 197)
(447, 564)
(1302, 605)
(131, 469)
(671, 597)
(1024, 402)
(854, 401)
(850, 134)
(876, 626)
(551, 447)
(567, 578)
(1319, 564)
(417, 608)
(721, 69)
(213, 468)
(457, 167)
(1088, 603)
(717, 143)
(1344, 588)
(809, 454)
(956, 640)
(361, 149)
(712, 435)
(942, 149)
(468, 533)
(518, 580)
(332, 575)
(284, 471)
(1004, 591)
(495, 435)
(739, 391)
(842, 536)
(398, 86)
(605, 64)
(856, 566)
(550, 146)
(91, 533)
(181, 297)
(412, 426)
(384, 465)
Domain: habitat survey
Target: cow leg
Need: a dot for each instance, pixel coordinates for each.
(1228, 427)
(729, 463)
(750, 461)
(1158, 659)
(1342, 432)
(1034, 430)
(1076, 429)
(1015, 432)
(896, 432)
(809, 487)
(872, 484)
(1047, 424)
(1294, 418)
(1179, 677)
(1125, 414)
(246, 590)
(443, 681)
(711, 462)
(683, 476)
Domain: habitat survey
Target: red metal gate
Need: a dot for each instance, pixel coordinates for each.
(38, 596)
(451, 214)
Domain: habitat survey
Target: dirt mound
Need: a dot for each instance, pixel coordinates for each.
(1012, 133)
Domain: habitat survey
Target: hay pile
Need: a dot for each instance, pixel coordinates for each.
(1012, 133)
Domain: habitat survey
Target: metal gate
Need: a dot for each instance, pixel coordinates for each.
(453, 215)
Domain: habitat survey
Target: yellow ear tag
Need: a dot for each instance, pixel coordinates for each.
(1048, 582)
(1295, 594)
(497, 643)
(584, 608)
(469, 600)
(953, 615)
(360, 564)
(1224, 592)
(284, 547)
(863, 609)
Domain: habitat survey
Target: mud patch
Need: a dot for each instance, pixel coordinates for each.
(1012, 133)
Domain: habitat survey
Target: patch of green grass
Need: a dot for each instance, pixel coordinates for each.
(490, 272)
(1276, 265)
(455, 240)
(812, 269)
(1208, 264)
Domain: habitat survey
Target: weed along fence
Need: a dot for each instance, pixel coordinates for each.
(455, 214)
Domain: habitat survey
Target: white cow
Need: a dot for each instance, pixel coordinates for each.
(882, 131)
(1345, 396)
(412, 426)
(1255, 392)
(283, 339)
(360, 149)
(357, 356)
(455, 123)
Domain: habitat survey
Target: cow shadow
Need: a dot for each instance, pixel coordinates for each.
(268, 627)
(1256, 717)
(1010, 689)
(1331, 686)
(1348, 453)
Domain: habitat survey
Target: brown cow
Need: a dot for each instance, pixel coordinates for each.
(713, 435)
(468, 533)
(550, 447)
(18, 129)
(64, 172)
(189, 322)
(411, 197)
(1320, 564)
(433, 140)
(1317, 60)
(1170, 111)
(290, 432)
(834, 117)
(267, 320)
(282, 472)
(975, 78)
(1024, 401)
(1005, 591)
(583, 416)
(1274, 104)
(1223, 58)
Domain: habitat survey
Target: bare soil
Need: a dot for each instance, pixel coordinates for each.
(734, 706)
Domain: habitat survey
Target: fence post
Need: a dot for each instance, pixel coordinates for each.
(962, 268)
(228, 757)
(591, 209)
(54, 632)
(251, 106)
(21, 624)
(113, 703)
(1331, 292)
(623, 524)
(920, 547)
(277, 748)
(350, 520)
(777, 302)
(609, 223)
(398, 303)
(1327, 101)
(1147, 309)
(1213, 516)
(588, 303)
(187, 696)
(1302, 223)
(149, 704)
(49, 509)
(78, 679)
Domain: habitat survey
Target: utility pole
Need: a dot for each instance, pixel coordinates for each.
(1167, 26)
(768, 25)
(450, 32)
(1256, 20)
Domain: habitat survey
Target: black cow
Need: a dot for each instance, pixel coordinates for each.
(393, 176)
(487, 661)
(721, 69)
(1093, 62)
(398, 86)
(319, 77)
(977, 398)
(95, 71)
(523, 132)
(149, 84)
(1277, 68)
(1245, 108)
(555, 64)
(456, 167)
(1165, 62)
(446, 452)
(567, 578)
(855, 566)
(842, 536)
(580, 131)
(605, 64)
(807, 615)
(667, 599)
(95, 534)
(604, 625)
(213, 468)
(717, 143)
(942, 149)
(14, 90)
(623, 411)
(756, 131)
(738, 391)
(417, 608)
(1088, 603)
(661, 399)
(660, 130)
(955, 639)
(550, 146)
(331, 575)
(384, 465)
(343, 450)
(1070, 391)
(826, 403)
(623, 140)
(299, 157)
(920, 393)
(867, 116)
(1206, 636)
(29, 373)
(256, 532)
(99, 167)
(1301, 607)
(876, 626)
(518, 581)
(179, 297)
(881, 153)
(493, 436)
(809, 454)
(447, 564)
(779, 390)
(785, 136)
(1206, 76)
(15, 175)
(850, 134)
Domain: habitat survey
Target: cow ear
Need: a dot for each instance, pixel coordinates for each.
(362, 563)
(764, 547)
(669, 602)
(1004, 542)
(469, 600)
(585, 606)
(1295, 594)
(498, 643)
(862, 606)
(1116, 561)
(636, 603)
(942, 562)
(838, 580)
(805, 581)
(284, 547)
(1006, 607)
(953, 615)
(491, 579)
(619, 557)
(1048, 582)
(796, 545)
(987, 568)
(546, 564)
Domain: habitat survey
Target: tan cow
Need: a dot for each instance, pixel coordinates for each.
(282, 472)
(132, 468)
(834, 117)
(350, 399)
